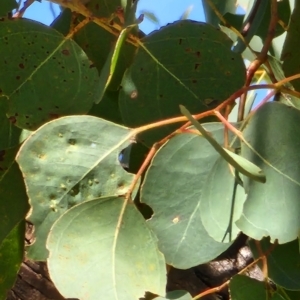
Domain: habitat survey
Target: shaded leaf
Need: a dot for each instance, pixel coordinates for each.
(44, 60)
(9, 133)
(290, 53)
(13, 199)
(173, 189)
(11, 257)
(276, 144)
(68, 161)
(246, 288)
(252, 22)
(114, 248)
(186, 63)
(108, 108)
(283, 263)
(7, 6)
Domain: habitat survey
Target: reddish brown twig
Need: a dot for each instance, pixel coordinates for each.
(261, 57)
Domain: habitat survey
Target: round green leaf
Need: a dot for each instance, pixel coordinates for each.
(173, 189)
(186, 63)
(68, 161)
(46, 76)
(273, 133)
(97, 251)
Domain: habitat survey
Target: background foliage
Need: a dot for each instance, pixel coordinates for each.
(98, 154)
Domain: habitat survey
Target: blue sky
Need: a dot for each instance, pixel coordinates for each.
(167, 11)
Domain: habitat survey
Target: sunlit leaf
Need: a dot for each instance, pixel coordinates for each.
(273, 134)
(238, 162)
(114, 254)
(68, 161)
(173, 189)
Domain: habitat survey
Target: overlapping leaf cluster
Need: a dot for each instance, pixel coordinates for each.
(87, 92)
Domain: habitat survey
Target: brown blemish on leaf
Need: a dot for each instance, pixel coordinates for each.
(21, 66)
(65, 52)
(12, 119)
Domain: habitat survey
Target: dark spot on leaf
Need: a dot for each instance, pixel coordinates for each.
(1, 91)
(53, 57)
(64, 80)
(141, 69)
(18, 77)
(39, 108)
(57, 107)
(111, 22)
(198, 54)
(180, 41)
(188, 50)
(196, 66)
(227, 73)
(194, 81)
(232, 58)
(16, 114)
(65, 52)
(52, 196)
(27, 117)
(72, 141)
(161, 96)
(12, 119)
(92, 65)
(21, 66)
